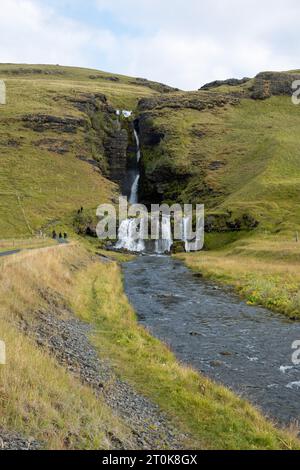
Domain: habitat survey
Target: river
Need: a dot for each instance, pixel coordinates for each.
(246, 348)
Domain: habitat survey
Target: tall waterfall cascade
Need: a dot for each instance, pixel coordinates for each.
(128, 234)
(131, 230)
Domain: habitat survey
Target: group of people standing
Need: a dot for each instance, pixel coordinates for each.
(60, 236)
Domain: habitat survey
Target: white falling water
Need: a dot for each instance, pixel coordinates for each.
(133, 198)
(130, 234)
(185, 226)
(165, 242)
(129, 237)
(138, 153)
(131, 230)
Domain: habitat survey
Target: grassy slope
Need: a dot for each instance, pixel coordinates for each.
(38, 186)
(39, 398)
(257, 145)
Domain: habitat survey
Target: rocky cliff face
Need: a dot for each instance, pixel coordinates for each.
(105, 140)
(267, 84)
(115, 145)
(188, 100)
(228, 82)
(163, 179)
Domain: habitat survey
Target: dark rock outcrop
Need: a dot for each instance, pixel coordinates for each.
(191, 100)
(45, 122)
(228, 82)
(14, 441)
(115, 146)
(157, 86)
(104, 77)
(149, 134)
(32, 71)
(267, 84)
(90, 102)
(227, 222)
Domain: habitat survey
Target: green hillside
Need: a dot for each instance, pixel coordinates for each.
(231, 145)
(241, 158)
(43, 173)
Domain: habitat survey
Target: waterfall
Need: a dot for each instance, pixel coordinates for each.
(128, 236)
(130, 230)
(138, 153)
(165, 242)
(185, 230)
(133, 198)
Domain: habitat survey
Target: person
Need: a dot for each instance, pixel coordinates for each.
(60, 235)
(54, 236)
(65, 235)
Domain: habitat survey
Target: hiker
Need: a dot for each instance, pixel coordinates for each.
(60, 235)
(65, 235)
(54, 236)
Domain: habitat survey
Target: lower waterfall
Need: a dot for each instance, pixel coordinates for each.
(165, 241)
(128, 238)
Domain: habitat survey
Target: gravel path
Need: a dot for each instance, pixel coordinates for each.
(13, 441)
(67, 338)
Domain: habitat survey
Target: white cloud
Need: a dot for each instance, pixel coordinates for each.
(181, 42)
(32, 33)
(189, 42)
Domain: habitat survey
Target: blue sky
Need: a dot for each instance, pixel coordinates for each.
(185, 43)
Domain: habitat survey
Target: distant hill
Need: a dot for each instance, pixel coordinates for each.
(232, 145)
(55, 148)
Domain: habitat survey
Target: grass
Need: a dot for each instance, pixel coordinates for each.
(25, 244)
(255, 144)
(263, 269)
(39, 398)
(38, 186)
(211, 415)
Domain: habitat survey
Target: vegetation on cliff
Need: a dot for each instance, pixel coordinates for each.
(55, 136)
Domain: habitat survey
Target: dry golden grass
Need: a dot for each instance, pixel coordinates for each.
(265, 270)
(19, 243)
(38, 397)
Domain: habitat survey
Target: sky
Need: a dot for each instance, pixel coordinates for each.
(184, 43)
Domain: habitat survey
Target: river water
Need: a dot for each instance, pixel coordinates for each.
(243, 347)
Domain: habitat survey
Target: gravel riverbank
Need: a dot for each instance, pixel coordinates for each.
(68, 339)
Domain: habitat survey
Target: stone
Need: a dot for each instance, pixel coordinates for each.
(45, 122)
(228, 82)
(267, 84)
